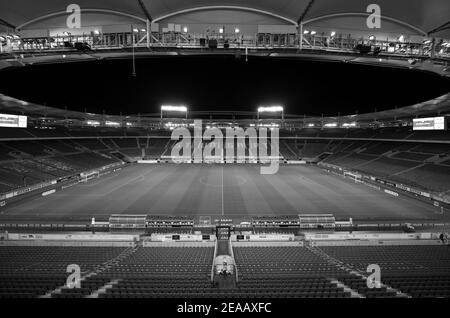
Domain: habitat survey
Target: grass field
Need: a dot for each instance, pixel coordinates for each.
(221, 190)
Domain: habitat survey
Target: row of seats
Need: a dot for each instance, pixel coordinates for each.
(264, 272)
(420, 165)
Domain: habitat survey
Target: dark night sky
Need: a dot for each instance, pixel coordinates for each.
(220, 83)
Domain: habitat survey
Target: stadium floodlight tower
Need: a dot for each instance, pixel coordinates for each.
(271, 109)
(173, 109)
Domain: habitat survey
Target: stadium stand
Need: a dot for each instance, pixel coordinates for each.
(32, 271)
(419, 271)
(91, 144)
(264, 271)
(429, 176)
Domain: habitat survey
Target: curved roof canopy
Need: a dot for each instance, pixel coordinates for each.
(421, 15)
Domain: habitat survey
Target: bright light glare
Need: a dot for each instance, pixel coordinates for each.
(112, 123)
(331, 125)
(168, 108)
(271, 109)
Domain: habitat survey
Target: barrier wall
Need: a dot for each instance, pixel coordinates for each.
(148, 243)
(377, 243)
(68, 243)
(263, 237)
(367, 236)
(72, 237)
(182, 237)
(267, 244)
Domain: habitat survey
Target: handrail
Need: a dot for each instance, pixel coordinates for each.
(213, 262)
(234, 260)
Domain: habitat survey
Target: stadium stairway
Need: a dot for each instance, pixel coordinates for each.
(91, 284)
(356, 282)
(223, 249)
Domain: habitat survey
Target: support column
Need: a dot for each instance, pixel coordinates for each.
(301, 36)
(148, 33)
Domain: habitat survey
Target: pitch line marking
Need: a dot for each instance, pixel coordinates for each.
(138, 178)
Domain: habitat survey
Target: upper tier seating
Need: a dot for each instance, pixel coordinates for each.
(384, 167)
(92, 144)
(30, 147)
(60, 146)
(412, 156)
(126, 142)
(313, 149)
(429, 176)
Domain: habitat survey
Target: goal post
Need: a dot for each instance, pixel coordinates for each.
(85, 177)
(354, 176)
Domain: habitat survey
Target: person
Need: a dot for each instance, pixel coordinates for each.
(444, 238)
(224, 269)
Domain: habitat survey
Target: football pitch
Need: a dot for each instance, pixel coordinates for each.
(230, 191)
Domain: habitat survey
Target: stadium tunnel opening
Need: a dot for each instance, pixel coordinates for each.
(221, 83)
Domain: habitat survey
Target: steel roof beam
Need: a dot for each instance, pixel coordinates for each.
(145, 10)
(5, 23)
(305, 12)
(443, 27)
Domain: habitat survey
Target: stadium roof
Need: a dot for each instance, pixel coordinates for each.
(437, 106)
(422, 15)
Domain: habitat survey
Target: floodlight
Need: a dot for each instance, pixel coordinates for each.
(313, 32)
(221, 30)
(331, 125)
(372, 37)
(333, 33)
(168, 108)
(96, 32)
(306, 32)
(401, 38)
(135, 30)
(93, 122)
(270, 109)
(185, 29)
(236, 30)
(112, 123)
